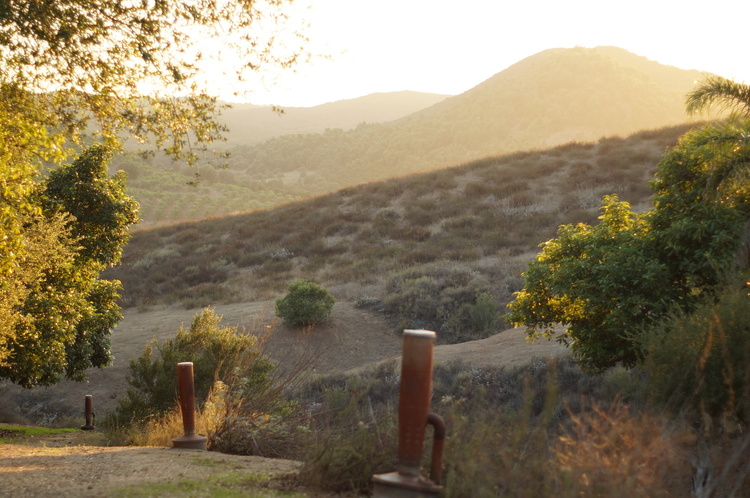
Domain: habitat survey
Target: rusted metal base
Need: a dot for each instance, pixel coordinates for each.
(397, 485)
(190, 442)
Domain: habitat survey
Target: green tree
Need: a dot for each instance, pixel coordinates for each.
(725, 144)
(122, 64)
(60, 311)
(610, 282)
(76, 72)
(603, 282)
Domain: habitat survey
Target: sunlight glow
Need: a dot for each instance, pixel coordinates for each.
(447, 47)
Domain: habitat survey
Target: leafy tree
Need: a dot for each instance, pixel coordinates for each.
(75, 68)
(60, 313)
(610, 282)
(74, 72)
(121, 64)
(602, 281)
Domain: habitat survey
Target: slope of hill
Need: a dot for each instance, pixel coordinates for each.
(251, 124)
(553, 97)
(475, 224)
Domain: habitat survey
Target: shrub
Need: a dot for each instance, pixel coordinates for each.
(217, 353)
(354, 429)
(504, 430)
(698, 362)
(437, 296)
(242, 401)
(306, 303)
(613, 453)
(483, 315)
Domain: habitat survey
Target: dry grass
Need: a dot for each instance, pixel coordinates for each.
(489, 212)
(611, 452)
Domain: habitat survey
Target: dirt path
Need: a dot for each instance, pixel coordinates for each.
(58, 466)
(350, 340)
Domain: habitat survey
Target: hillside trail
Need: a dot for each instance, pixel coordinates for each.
(78, 464)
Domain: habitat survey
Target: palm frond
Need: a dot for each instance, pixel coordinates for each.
(723, 93)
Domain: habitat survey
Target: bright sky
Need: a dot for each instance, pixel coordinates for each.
(449, 47)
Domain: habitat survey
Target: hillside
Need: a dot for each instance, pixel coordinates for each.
(469, 228)
(251, 124)
(553, 97)
(550, 98)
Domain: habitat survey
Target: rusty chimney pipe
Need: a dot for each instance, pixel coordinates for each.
(413, 417)
(89, 413)
(186, 387)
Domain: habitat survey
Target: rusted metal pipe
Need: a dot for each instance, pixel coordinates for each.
(186, 389)
(413, 416)
(438, 440)
(89, 413)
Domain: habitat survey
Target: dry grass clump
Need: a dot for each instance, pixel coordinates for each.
(611, 452)
(545, 429)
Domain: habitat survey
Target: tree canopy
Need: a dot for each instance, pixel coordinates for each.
(77, 72)
(133, 68)
(610, 282)
(58, 312)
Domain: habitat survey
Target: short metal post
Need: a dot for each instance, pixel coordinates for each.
(186, 387)
(89, 413)
(413, 417)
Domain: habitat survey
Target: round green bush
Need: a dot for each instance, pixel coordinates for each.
(306, 303)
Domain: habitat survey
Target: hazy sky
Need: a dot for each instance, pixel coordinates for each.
(449, 47)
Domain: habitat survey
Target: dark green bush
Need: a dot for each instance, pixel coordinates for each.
(306, 303)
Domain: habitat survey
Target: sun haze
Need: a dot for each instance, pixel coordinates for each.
(449, 47)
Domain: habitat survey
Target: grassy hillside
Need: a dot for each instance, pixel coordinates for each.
(169, 191)
(551, 98)
(467, 230)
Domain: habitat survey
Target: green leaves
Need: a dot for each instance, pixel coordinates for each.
(306, 303)
(600, 281)
(610, 282)
(218, 353)
(57, 312)
(102, 211)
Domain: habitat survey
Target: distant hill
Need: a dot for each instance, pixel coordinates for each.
(251, 124)
(554, 97)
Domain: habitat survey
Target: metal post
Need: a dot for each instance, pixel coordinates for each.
(186, 387)
(89, 413)
(413, 417)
